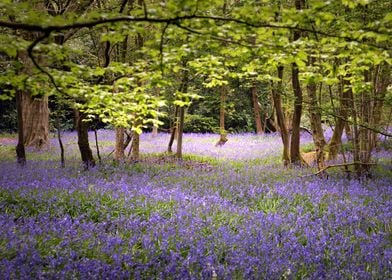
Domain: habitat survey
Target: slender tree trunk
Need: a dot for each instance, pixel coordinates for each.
(315, 121)
(97, 145)
(180, 132)
(276, 95)
(295, 155)
(62, 157)
(223, 134)
(336, 140)
(356, 141)
(20, 148)
(83, 142)
(382, 81)
(365, 139)
(256, 110)
(173, 131)
(181, 113)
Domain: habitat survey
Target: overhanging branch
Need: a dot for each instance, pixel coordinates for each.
(174, 20)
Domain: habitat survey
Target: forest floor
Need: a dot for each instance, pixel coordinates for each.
(230, 212)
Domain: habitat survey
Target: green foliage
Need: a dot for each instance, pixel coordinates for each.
(217, 43)
(200, 124)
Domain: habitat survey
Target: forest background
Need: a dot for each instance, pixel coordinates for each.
(280, 83)
(202, 66)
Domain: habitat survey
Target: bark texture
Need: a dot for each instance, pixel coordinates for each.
(276, 96)
(83, 141)
(295, 155)
(257, 110)
(315, 121)
(119, 151)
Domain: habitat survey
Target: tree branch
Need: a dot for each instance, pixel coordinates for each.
(36, 64)
(92, 23)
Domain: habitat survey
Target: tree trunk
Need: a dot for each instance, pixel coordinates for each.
(173, 131)
(276, 96)
(256, 110)
(381, 82)
(135, 148)
(119, 152)
(315, 122)
(20, 148)
(223, 134)
(295, 155)
(181, 113)
(180, 131)
(83, 142)
(336, 140)
(35, 111)
(36, 121)
(62, 157)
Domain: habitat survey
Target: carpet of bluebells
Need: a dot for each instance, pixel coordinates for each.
(230, 212)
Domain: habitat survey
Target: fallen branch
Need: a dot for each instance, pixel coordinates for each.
(339, 165)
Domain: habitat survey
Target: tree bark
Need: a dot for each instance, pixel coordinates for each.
(181, 118)
(181, 113)
(381, 82)
(62, 157)
(295, 155)
(36, 121)
(173, 131)
(83, 142)
(119, 152)
(256, 110)
(35, 111)
(336, 140)
(315, 123)
(135, 148)
(20, 148)
(276, 96)
(223, 134)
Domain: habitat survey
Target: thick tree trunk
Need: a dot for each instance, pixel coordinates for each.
(119, 151)
(35, 111)
(256, 110)
(36, 120)
(276, 96)
(83, 142)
